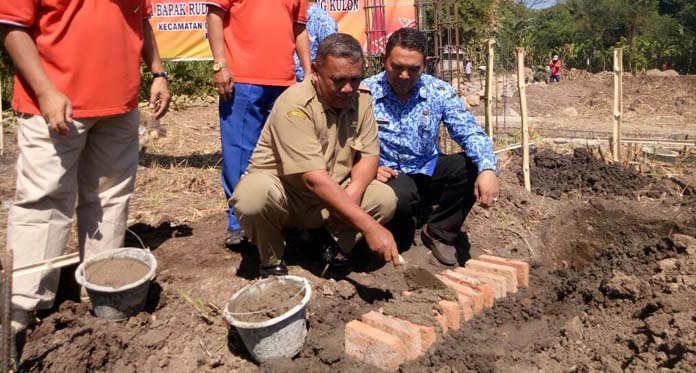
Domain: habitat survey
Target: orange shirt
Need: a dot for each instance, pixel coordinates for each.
(259, 41)
(90, 50)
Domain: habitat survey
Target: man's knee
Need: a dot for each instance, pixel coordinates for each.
(459, 166)
(380, 201)
(406, 192)
(254, 194)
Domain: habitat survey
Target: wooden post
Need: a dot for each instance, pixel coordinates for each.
(2, 126)
(618, 104)
(489, 89)
(519, 51)
(6, 311)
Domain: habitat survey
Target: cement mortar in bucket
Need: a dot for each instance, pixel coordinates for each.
(281, 336)
(125, 301)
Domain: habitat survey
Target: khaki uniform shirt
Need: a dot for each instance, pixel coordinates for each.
(302, 134)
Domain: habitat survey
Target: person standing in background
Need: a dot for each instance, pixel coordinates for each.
(467, 69)
(319, 25)
(252, 44)
(555, 69)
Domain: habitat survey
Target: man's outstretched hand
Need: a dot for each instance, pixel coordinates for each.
(382, 243)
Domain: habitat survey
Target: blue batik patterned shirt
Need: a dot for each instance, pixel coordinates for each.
(408, 133)
(319, 25)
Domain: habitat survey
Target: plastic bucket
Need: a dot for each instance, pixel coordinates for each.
(282, 336)
(118, 303)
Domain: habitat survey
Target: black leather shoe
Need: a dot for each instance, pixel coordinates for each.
(277, 270)
(339, 263)
(444, 253)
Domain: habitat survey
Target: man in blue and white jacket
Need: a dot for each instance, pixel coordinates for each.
(409, 107)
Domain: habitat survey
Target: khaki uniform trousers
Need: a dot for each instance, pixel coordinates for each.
(94, 164)
(265, 204)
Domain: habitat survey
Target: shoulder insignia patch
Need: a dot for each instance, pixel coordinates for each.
(297, 114)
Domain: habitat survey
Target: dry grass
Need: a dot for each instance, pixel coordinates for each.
(179, 174)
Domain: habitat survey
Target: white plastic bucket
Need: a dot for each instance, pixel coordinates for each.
(282, 336)
(118, 303)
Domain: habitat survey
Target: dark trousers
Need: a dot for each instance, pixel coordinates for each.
(450, 190)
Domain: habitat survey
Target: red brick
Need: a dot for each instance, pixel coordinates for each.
(494, 281)
(509, 273)
(407, 332)
(478, 296)
(453, 313)
(463, 292)
(442, 321)
(476, 285)
(521, 267)
(373, 346)
(428, 336)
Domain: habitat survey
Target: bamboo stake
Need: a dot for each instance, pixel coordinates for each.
(54, 263)
(2, 128)
(510, 147)
(6, 316)
(489, 90)
(618, 104)
(519, 51)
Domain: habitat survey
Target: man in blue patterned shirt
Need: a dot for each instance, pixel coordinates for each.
(319, 25)
(409, 107)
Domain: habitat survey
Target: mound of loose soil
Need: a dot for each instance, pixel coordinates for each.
(554, 175)
(631, 308)
(610, 290)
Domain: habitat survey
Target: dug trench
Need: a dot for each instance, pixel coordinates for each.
(613, 287)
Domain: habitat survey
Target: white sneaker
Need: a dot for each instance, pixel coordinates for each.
(21, 319)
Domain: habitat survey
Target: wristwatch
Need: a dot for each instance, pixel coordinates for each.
(217, 66)
(163, 74)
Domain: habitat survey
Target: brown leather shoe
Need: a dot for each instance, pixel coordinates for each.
(444, 253)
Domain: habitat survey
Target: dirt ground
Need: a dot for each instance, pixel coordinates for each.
(612, 287)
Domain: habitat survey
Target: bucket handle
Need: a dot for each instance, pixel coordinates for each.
(272, 309)
(127, 230)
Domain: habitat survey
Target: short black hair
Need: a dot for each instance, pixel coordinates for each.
(406, 38)
(338, 45)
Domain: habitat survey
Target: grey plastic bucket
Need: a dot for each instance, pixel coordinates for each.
(282, 336)
(118, 303)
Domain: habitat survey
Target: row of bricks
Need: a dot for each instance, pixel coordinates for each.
(387, 342)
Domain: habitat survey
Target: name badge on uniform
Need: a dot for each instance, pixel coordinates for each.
(382, 122)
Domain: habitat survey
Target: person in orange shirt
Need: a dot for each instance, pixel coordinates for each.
(77, 130)
(252, 43)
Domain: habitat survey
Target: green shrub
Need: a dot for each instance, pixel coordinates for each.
(6, 78)
(190, 78)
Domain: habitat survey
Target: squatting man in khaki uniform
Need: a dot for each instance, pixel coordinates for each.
(316, 161)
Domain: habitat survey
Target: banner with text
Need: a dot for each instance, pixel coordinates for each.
(181, 29)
